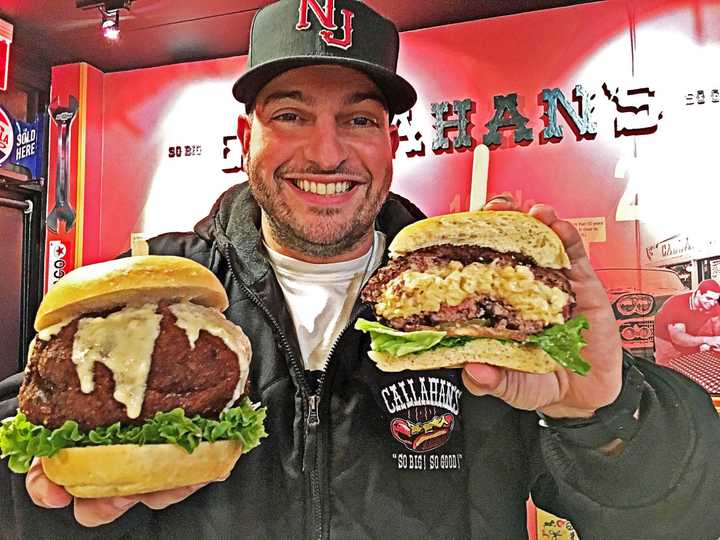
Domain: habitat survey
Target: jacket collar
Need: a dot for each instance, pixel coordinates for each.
(234, 223)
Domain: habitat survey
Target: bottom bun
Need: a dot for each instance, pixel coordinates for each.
(511, 355)
(129, 469)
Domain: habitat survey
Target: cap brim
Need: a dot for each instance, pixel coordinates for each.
(400, 94)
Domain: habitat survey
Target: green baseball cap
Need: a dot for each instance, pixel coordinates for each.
(289, 34)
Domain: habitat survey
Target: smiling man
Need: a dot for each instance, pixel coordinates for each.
(319, 161)
(628, 451)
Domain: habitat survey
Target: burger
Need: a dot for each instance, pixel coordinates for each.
(486, 286)
(135, 381)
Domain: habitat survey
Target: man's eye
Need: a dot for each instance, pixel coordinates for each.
(287, 117)
(363, 121)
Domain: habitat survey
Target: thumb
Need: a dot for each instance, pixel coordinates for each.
(42, 491)
(483, 379)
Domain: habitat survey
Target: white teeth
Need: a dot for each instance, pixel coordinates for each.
(323, 189)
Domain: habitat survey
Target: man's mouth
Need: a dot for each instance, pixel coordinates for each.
(320, 188)
(331, 187)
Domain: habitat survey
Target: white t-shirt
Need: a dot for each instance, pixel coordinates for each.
(321, 296)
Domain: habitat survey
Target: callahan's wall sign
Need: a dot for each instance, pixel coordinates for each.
(675, 246)
(636, 114)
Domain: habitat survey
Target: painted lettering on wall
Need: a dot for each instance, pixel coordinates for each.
(636, 113)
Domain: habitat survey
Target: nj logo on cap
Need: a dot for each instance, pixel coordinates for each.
(326, 17)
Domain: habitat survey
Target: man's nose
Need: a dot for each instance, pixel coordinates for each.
(325, 146)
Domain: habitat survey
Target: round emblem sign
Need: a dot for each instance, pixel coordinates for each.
(7, 137)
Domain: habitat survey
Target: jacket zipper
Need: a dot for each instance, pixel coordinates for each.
(311, 401)
(313, 426)
(310, 452)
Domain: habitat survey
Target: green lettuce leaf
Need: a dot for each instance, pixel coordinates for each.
(397, 342)
(452, 341)
(561, 341)
(21, 441)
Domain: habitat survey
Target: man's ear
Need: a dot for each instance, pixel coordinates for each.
(394, 139)
(243, 132)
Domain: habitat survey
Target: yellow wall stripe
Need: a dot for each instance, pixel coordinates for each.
(82, 138)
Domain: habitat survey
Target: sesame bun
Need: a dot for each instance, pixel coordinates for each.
(506, 354)
(502, 231)
(129, 469)
(131, 280)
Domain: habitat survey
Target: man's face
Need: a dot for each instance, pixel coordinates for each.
(319, 157)
(705, 300)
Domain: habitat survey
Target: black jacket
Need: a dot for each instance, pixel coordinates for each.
(348, 464)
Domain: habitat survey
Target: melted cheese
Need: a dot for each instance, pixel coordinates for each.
(192, 318)
(123, 341)
(31, 348)
(51, 331)
(414, 292)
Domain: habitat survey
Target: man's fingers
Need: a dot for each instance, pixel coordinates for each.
(163, 499)
(569, 235)
(571, 240)
(482, 379)
(544, 213)
(42, 491)
(504, 201)
(88, 512)
(95, 512)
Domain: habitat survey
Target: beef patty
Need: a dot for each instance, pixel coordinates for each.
(498, 319)
(200, 380)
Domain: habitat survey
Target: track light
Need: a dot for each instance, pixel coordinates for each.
(110, 23)
(110, 11)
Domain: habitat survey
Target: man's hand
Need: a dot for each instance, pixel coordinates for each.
(94, 512)
(562, 394)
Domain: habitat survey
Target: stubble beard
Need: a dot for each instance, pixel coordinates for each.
(325, 237)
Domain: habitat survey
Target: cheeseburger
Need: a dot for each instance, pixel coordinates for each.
(475, 287)
(135, 381)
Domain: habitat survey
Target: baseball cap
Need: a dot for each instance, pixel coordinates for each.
(289, 34)
(709, 285)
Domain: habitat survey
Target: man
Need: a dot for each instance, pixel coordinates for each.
(688, 322)
(626, 454)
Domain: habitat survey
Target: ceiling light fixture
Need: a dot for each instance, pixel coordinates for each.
(110, 11)
(110, 23)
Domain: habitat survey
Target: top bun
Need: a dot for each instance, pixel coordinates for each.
(132, 280)
(503, 231)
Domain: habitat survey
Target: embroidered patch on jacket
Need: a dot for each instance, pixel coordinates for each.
(423, 412)
(423, 436)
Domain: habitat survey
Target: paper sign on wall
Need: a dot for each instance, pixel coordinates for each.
(591, 229)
